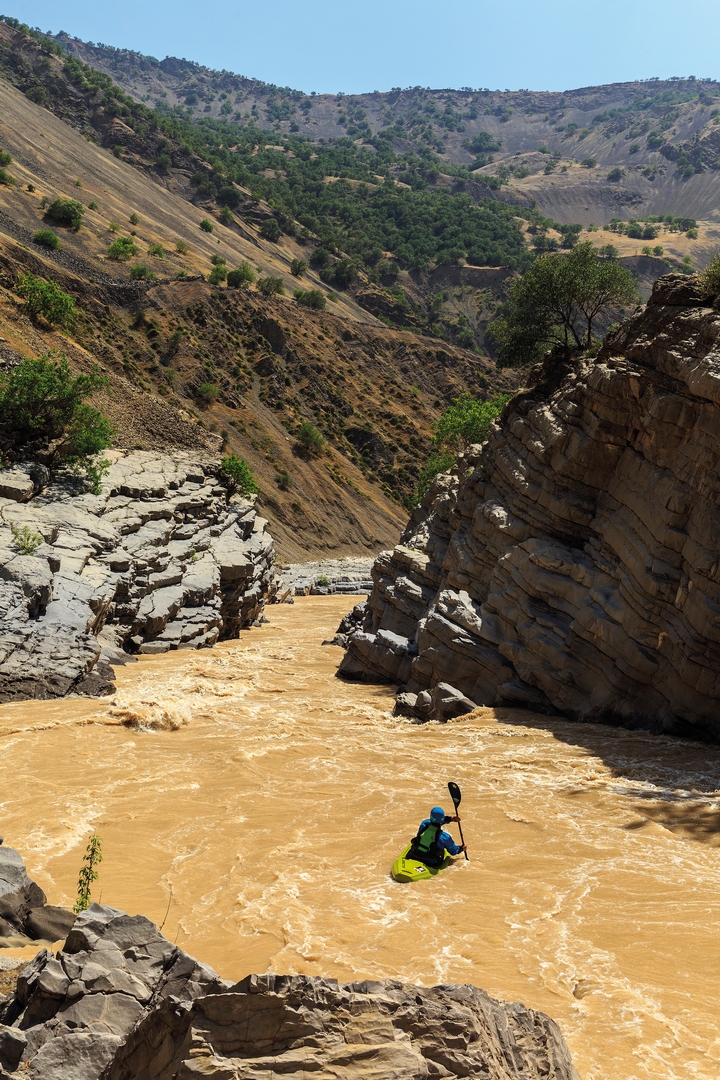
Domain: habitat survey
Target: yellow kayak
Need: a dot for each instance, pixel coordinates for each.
(404, 869)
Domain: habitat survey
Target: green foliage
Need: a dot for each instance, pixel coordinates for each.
(615, 175)
(92, 205)
(271, 286)
(26, 541)
(226, 216)
(41, 400)
(284, 480)
(298, 267)
(157, 250)
(589, 162)
(88, 873)
(206, 225)
(207, 393)
(322, 580)
(634, 148)
(181, 247)
(692, 234)
(114, 227)
(439, 462)
(270, 230)
(140, 272)
(238, 476)
(7, 179)
(66, 212)
(122, 249)
(557, 300)
(310, 441)
(5, 158)
(217, 260)
(47, 238)
(47, 299)
(709, 280)
(466, 421)
(241, 277)
(134, 219)
(217, 275)
(313, 298)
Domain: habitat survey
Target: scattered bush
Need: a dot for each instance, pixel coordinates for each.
(41, 399)
(692, 234)
(157, 250)
(322, 580)
(47, 238)
(284, 480)
(182, 247)
(92, 205)
(270, 230)
(313, 298)
(615, 174)
(114, 227)
(226, 216)
(309, 439)
(88, 874)
(26, 541)
(608, 251)
(242, 276)
(66, 212)
(633, 149)
(271, 286)
(47, 299)
(134, 219)
(123, 249)
(589, 162)
(710, 277)
(5, 158)
(207, 393)
(140, 272)
(217, 275)
(238, 476)
(206, 226)
(217, 260)
(298, 267)
(7, 179)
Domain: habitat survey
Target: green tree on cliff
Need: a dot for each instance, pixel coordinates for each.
(558, 300)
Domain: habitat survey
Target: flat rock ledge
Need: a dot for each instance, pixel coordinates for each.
(571, 563)
(119, 1002)
(161, 559)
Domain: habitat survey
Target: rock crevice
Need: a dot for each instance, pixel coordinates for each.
(571, 563)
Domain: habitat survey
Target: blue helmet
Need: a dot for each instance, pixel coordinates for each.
(437, 814)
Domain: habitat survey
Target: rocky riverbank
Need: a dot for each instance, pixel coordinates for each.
(161, 559)
(571, 563)
(120, 1002)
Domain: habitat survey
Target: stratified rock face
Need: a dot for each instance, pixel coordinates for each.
(24, 912)
(573, 562)
(119, 1002)
(160, 560)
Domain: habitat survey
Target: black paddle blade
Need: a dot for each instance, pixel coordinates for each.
(455, 794)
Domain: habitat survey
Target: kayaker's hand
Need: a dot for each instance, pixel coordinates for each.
(456, 818)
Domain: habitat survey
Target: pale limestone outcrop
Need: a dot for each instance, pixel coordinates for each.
(161, 559)
(572, 563)
(119, 1002)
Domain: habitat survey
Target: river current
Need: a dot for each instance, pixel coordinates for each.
(254, 803)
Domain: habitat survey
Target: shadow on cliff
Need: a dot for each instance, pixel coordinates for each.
(673, 782)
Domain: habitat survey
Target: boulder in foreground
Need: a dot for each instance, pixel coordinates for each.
(119, 1002)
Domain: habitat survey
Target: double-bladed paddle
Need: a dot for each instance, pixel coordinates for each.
(456, 796)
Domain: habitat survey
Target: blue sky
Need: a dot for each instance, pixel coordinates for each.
(375, 44)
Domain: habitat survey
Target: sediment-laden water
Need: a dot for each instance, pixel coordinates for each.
(271, 799)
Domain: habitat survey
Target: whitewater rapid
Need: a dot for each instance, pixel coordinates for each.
(255, 803)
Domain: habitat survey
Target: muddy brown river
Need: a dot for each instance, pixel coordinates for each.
(264, 801)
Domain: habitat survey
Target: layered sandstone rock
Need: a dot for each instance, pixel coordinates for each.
(573, 562)
(24, 911)
(119, 1002)
(160, 560)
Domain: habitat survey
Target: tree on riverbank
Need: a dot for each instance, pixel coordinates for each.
(463, 423)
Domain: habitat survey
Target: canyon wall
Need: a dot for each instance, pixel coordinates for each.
(572, 563)
(161, 559)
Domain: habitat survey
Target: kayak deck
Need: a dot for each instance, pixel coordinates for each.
(404, 869)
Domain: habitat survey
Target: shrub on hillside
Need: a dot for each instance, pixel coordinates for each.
(309, 439)
(140, 272)
(270, 230)
(42, 401)
(206, 225)
(226, 216)
(218, 260)
(182, 247)
(271, 286)
(6, 178)
(123, 249)
(207, 393)
(157, 250)
(5, 158)
(217, 275)
(47, 238)
(615, 174)
(313, 298)
(238, 476)
(709, 280)
(298, 267)
(66, 212)
(46, 298)
(242, 276)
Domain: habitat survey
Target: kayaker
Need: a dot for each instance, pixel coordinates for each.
(431, 842)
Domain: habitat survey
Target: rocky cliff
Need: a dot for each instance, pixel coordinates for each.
(572, 563)
(119, 1002)
(161, 559)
